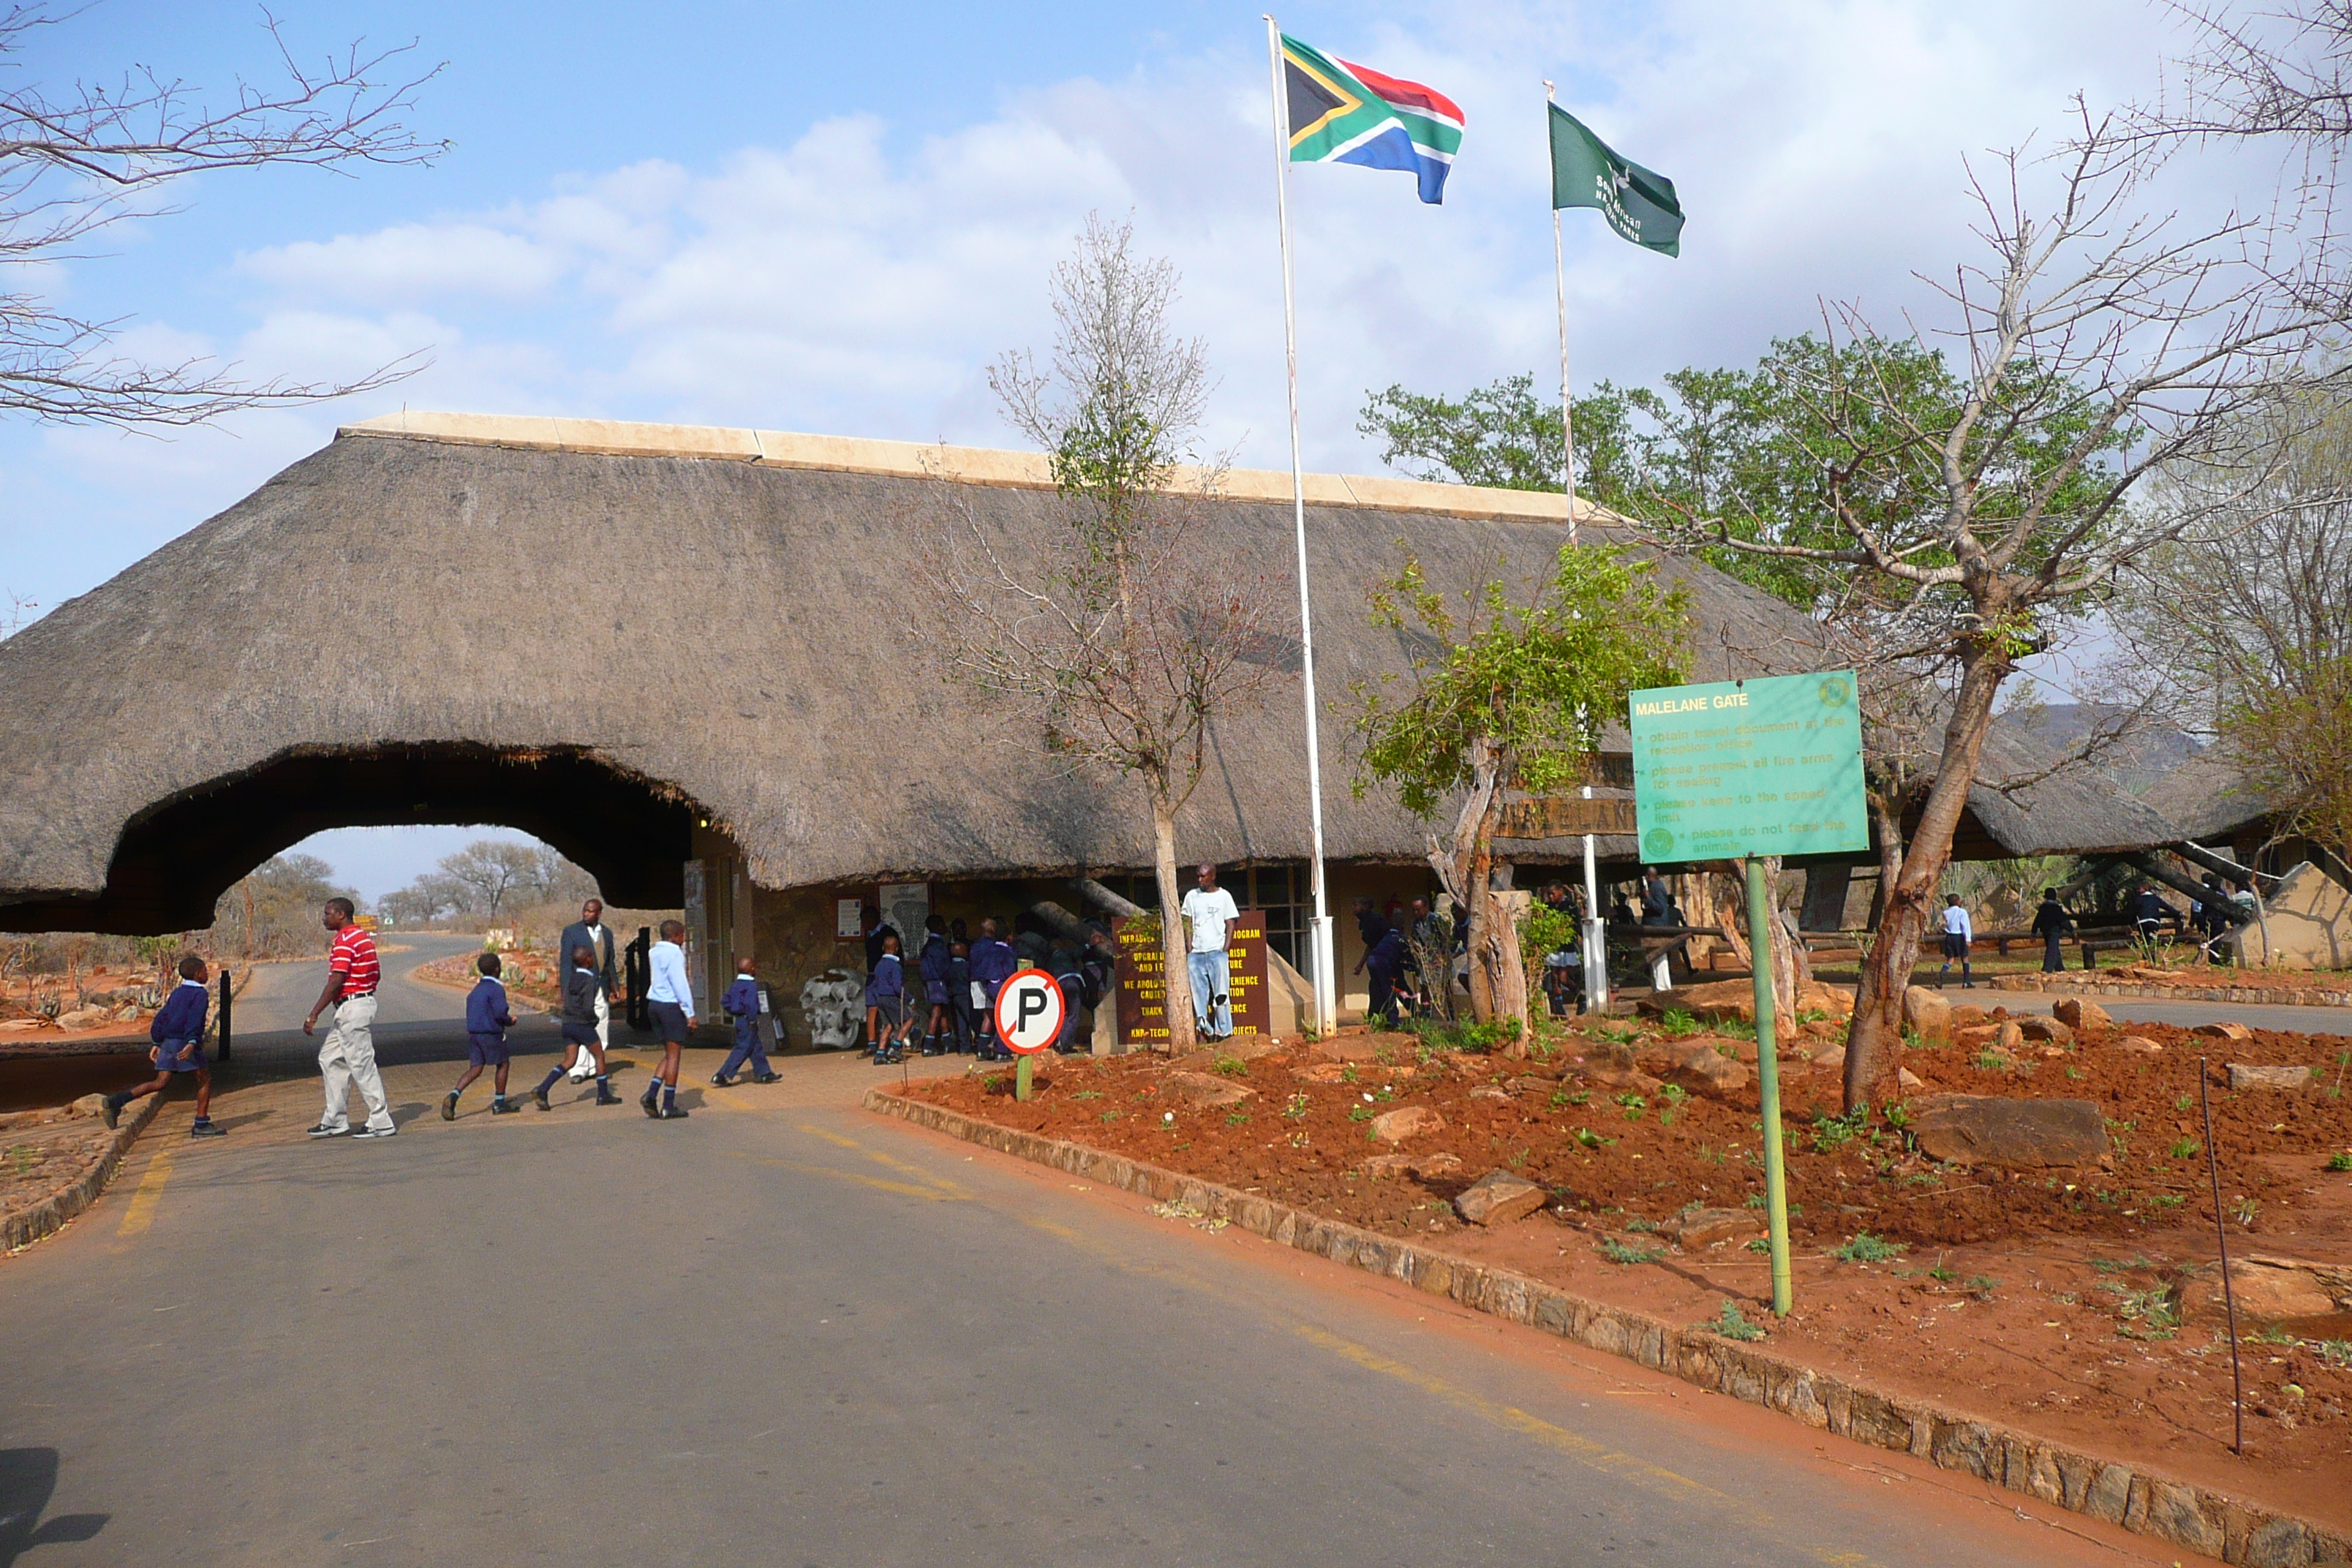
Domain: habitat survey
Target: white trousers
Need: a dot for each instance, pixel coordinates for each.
(349, 1058)
(583, 1064)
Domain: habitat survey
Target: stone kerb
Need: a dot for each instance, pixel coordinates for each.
(29, 1225)
(2262, 995)
(2194, 1518)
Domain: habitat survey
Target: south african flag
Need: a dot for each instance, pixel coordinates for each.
(1343, 113)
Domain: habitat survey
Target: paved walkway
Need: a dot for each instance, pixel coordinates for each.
(2187, 1014)
(785, 1331)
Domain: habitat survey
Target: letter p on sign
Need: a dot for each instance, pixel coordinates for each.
(1029, 1011)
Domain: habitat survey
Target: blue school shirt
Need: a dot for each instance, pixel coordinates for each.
(888, 980)
(742, 998)
(486, 1009)
(993, 963)
(181, 1017)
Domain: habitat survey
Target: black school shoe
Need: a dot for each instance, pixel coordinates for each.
(504, 1107)
(767, 1077)
(651, 1100)
(538, 1098)
(114, 1104)
(206, 1130)
(720, 1081)
(670, 1114)
(449, 1106)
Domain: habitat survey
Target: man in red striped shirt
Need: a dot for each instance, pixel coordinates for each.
(348, 1055)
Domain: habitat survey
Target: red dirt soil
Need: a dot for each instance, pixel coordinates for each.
(2073, 1304)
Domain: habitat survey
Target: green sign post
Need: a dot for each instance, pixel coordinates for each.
(1740, 770)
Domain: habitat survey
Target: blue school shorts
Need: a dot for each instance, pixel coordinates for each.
(486, 1050)
(180, 1055)
(670, 1019)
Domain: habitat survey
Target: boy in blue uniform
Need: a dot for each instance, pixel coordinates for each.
(886, 1002)
(582, 989)
(743, 1000)
(932, 964)
(487, 1019)
(178, 1033)
(992, 963)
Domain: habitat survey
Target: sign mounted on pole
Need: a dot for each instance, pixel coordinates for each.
(1029, 1011)
(1768, 766)
(1747, 769)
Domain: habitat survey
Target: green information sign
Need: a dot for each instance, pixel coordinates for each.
(1767, 766)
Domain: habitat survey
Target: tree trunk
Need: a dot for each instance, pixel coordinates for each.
(1874, 1042)
(1181, 1036)
(1473, 865)
(1791, 965)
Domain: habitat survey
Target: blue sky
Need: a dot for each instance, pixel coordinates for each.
(830, 218)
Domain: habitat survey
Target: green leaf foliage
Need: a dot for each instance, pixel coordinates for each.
(1536, 682)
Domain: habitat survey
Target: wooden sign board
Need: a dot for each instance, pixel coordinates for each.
(1143, 985)
(1566, 816)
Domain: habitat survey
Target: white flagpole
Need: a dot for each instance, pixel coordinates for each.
(1596, 938)
(1324, 958)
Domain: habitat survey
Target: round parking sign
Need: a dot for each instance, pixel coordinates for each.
(1029, 1011)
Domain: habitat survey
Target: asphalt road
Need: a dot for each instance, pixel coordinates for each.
(2188, 1015)
(414, 1021)
(786, 1330)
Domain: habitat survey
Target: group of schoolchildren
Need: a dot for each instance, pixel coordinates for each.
(961, 976)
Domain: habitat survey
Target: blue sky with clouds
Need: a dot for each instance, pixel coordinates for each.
(830, 218)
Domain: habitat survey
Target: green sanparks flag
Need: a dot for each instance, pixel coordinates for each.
(1640, 205)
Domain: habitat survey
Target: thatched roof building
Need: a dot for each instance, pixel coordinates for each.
(613, 636)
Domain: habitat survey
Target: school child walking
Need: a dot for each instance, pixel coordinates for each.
(178, 1033)
(669, 996)
(933, 964)
(1957, 933)
(742, 1001)
(582, 987)
(960, 988)
(886, 1002)
(992, 963)
(487, 1019)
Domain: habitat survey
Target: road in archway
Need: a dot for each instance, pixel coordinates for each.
(788, 1331)
(415, 1021)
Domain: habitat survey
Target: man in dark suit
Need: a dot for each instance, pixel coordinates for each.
(590, 932)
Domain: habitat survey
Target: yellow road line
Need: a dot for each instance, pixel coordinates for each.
(885, 1161)
(905, 1189)
(150, 1192)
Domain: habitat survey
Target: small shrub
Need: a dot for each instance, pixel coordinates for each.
(2336, 1354)
(2150, 1314)
(1561, 1096)
(1863, 1248)
(2185, 1149)
(1733, 1324)
(1983, 1286)
(2340, 1161)
(1232, 1066)
(1592, 1140)
(1760, 1244)
(1296, 1110)
(1992, 1060)
(1235, 1118)
(1678, 1022)
(1673, 1094)
(1616, 1251)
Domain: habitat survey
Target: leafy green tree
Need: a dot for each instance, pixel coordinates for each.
(1505, 695)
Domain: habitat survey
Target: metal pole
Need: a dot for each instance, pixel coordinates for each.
(1768, 1083)
(1325, 958)
(2222, 1235)
(1596, 928)
(227, 1028)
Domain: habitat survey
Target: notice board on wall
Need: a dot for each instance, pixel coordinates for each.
(1143, 981)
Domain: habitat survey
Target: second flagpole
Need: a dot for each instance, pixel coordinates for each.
(1324, 955)
(1595, 941)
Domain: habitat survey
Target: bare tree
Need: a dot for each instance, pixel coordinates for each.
(2102, 347)
(1139, 637)
(74, 160)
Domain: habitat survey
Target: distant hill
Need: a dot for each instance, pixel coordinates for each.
(2149, 755)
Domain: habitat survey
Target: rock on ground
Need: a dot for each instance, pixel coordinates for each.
(1988, 1130)
(1206, 1089)
(2052, 1030)
(2236, 1034)
(1498, 1197)
(2141, 1044)
(1423, 1165)
(2242, 1075)
(1928, 1012)
(1406, 1122)
(2081, 1015)
(1705, 1228)
(85, 1018)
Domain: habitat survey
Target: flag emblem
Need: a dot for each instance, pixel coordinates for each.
(1344, 113)
(1639, 205)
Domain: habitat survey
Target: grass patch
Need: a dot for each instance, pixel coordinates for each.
(1863, 1248)
(1732, 1324)
(2339, 1160)
(1616, 1251)
(1232, 1066)
(2185, 1149)
(2150, 1314)
(1678, 1022)
(1592, 1140)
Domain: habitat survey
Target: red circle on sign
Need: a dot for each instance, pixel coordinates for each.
(1029, 1009)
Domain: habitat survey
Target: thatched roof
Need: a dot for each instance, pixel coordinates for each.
(603, 633)
(2075, 810)
(2210, 800)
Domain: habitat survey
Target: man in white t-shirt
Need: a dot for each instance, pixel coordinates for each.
(1209, 913)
